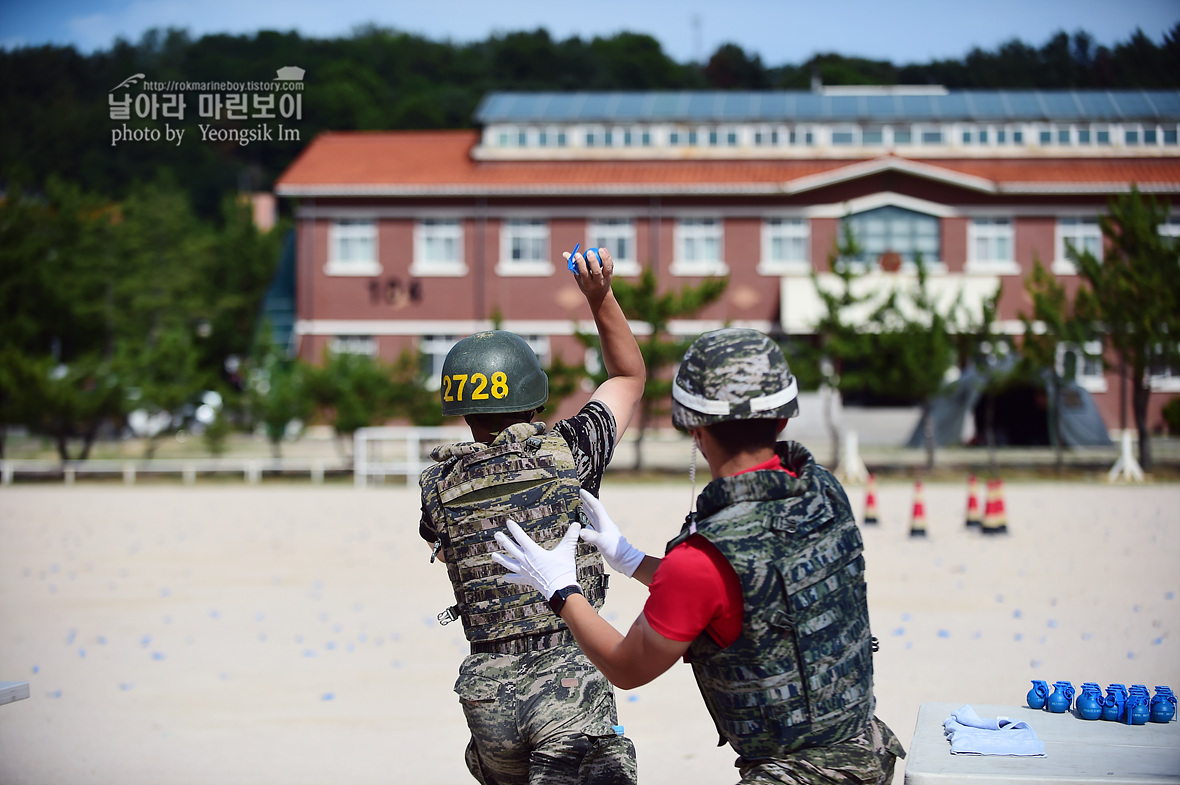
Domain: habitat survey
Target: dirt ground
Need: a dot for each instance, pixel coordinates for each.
(285, 633)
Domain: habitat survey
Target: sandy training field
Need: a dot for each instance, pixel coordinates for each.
(286, 634)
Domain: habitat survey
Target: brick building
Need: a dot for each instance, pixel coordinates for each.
(415, 239)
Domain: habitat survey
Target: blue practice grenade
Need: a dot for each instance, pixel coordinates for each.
(1163, 705)
(1089, 702)
(1061, 699)
(1038, 694)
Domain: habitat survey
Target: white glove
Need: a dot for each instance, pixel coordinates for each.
(621, 555)
(546, 571)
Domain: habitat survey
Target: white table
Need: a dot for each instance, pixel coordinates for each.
(1076, 751)
(13, 691)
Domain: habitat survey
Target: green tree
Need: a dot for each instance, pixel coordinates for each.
(412, 398)
(1132, 297)
(901, 350)
(279, 398)
(644, 302)
(352, 391)
(1052, 324)
(57, 318)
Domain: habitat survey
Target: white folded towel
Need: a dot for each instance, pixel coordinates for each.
(970, 734)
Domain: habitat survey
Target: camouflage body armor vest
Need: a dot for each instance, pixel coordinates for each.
(801, 673)
(525, 475)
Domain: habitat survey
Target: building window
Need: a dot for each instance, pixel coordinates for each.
(786, 246)
(352, 247)
(845, 135)
(698, 247)
(1081, 234)
(897, 230)
(617, 235)
(932, 136)
(438, 248)
(1170, 227)
(524, 247)
(1084, 362)
(1163, 372)
(990, 245)
(873, 136)
(353, 344)
(434, 350)
(902, 136)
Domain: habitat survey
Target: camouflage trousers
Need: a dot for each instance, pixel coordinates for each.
(542, 717)
(865, 759)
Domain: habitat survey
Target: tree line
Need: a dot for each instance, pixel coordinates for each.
(132, 277)
(56, 117)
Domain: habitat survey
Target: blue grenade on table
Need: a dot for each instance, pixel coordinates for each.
(1061, 699)
(1039, 693)
(1089, 702)
(1112, 707)
(1163, 704)
(1138, 705)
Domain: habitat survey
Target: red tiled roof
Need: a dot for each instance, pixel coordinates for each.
(407, 162)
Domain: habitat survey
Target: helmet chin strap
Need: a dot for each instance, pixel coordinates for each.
(692, 478)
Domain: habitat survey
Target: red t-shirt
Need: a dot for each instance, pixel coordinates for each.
(695, 589)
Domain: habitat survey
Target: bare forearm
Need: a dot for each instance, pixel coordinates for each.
(627, 661)
(646, 570)
(620, 351)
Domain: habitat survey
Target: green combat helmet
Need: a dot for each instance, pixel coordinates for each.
(492, 372)
(733, 374)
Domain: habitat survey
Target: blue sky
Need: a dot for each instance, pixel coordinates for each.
(781, 31)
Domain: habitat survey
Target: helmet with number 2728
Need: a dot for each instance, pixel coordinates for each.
(492, 372)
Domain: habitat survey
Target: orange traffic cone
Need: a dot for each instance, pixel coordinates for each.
(974, 520)
(918, 519)
(995, 519)
(871, 502)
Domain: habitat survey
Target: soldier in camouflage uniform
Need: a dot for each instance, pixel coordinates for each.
(538, 710)
(763, 591)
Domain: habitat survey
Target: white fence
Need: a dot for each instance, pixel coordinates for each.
(251, 469)
(381, 452)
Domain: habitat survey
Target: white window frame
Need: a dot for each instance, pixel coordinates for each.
(1166, 382)
(1170, 227)
(428, 233)
(692, 237)
(1071, 227)
(346, 237)
(991, 231)
(353, 344)
(436, 347)
(1091, 376)
(532, 231)
(853, 131)
(617, 234)
(791, 230)
(870, 256)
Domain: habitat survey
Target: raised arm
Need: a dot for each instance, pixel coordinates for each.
(626, 374)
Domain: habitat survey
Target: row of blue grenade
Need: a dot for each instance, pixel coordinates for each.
(1133, 707)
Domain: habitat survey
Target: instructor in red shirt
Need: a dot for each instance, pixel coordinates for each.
(763, 591)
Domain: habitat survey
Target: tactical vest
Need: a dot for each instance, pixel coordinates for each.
(801, 673)
(525, 475)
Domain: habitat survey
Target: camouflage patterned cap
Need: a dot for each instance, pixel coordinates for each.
(733, 374)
